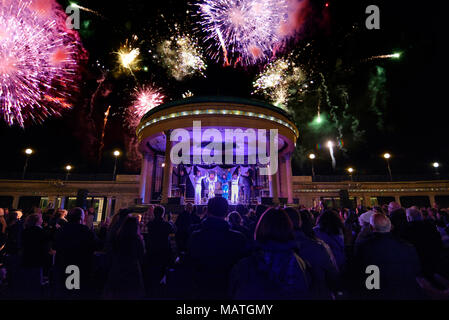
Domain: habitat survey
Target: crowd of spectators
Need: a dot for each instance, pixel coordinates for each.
(211, 252)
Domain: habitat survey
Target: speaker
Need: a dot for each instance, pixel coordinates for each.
(344, 199)
(81, 198)
(174, 200)
(266, 200)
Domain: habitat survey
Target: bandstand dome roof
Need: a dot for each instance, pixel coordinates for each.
(220, 112)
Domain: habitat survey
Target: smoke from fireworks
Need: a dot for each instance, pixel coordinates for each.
(181, 56)
(145, 99)
(250, 29)
(38, 60)
(277, 79)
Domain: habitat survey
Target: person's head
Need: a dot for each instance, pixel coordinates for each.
(61, 213)
(198, 173)
(294, 216)
(91, 211)
(378, 209)
(234, 218)
(392, 206)
(330, 222)
(413, 214)
(33, 220)
(217, 207)
(364, 218)
(159, 212)
(234, 176)
(211, 175)
(380, 223)
(76, 215)
(130, 228)
(189, 207)
(13, 217)
(307, 223)
(274, 225)
(398, 219)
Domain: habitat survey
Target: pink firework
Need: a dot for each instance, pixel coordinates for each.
(38, 60)
(145, 99)
(246, 30)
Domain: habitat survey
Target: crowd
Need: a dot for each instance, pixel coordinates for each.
(384, 252)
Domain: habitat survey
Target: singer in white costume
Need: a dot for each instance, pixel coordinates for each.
(211, 180)
(235, 188)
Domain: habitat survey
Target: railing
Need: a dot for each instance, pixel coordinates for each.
(379, 178)
(57, 176)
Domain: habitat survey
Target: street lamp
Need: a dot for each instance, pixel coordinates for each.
(116, 155)
(387, 157)
(312, 157)
(436, 165)
(68, 168)
(351, 171)
(28, 153)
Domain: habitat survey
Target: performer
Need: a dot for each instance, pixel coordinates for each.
(182, 176)
(211, 180)
(198, 179)
(247, 183)
(224, 180)
(235, 188)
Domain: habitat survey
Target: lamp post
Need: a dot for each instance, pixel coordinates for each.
(387, 157)
(28, 153)
(68, 168)
(116, 155)
(350, 171)
(436, 165)
(312, 157)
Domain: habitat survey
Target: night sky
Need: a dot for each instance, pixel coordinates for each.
(414, 122)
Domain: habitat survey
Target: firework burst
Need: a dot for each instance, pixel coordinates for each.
(246, 29)
(181, 56)
(145, 99)
(128, 55)
(275, 81)
(38, 60)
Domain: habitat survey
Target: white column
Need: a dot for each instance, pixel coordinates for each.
(288, 174)
(275, 187)
(108, 207)
(143, 177)
(15, 202)
(168, 170)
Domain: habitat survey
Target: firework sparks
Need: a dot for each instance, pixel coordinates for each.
(276, 79)
(145, 99)
(37, 60)
(182, 57)
(251, 29)
(128, 55)
(396, 55)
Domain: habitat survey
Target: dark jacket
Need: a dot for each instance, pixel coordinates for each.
(337, 245)
(398, 265)
(213, 250)
(75, 245)
(273, 272)
(424, 236)
(158, 241)
(125, 280)
(325, 278)
(14, 238)
(35, 246)
(183, 223)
